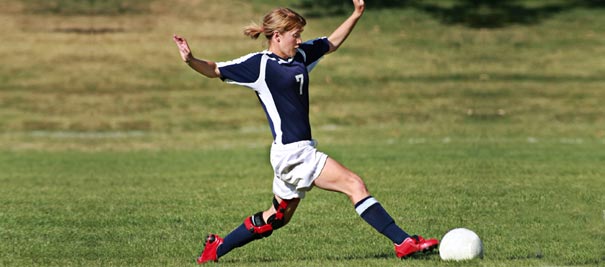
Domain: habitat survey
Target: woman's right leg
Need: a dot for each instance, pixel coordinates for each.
(257, 226)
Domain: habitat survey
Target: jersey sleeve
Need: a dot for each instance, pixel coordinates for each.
(313, 50)
(243, 70)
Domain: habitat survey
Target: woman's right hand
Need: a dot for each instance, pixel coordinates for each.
(183, 46)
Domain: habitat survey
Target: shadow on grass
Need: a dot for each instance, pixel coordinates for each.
(492, 14)
(88, 7)
(389, 255)
(470, 13)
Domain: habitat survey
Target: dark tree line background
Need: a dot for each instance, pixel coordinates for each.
(471, 13)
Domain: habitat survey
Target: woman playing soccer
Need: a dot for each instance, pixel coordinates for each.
(280, 78)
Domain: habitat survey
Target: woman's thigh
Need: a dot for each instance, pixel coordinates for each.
(336, 177)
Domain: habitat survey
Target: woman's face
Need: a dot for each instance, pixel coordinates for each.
(285, 44)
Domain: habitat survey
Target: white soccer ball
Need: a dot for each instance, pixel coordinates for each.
(460, 244)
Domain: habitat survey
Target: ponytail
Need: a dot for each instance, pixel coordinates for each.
(253, 31)
(279, 19)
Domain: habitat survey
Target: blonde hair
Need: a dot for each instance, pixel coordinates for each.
(279, 19)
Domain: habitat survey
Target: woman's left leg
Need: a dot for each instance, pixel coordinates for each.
(336, 177)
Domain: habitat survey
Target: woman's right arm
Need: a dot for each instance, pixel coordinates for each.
(206, 68)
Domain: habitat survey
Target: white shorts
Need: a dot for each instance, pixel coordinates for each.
(295, 166)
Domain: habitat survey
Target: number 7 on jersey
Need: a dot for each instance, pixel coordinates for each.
(301, 79)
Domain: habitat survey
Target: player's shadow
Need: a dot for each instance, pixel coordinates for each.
(418, 256)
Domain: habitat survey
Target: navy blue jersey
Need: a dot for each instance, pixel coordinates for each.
(282, 86)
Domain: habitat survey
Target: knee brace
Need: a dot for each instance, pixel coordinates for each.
(278, 220)
(257, 225)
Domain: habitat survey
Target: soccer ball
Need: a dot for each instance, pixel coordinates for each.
(460, 244)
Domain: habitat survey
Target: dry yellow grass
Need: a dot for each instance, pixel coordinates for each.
(116, 82)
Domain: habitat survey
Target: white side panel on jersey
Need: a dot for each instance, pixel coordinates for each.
(261, 87)
(267, 99)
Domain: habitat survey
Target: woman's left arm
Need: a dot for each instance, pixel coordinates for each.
(342, 32)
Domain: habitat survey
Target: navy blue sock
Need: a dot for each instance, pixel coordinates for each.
(374, 214)
(237, 238)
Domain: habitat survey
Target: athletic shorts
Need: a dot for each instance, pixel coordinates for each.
(296, 166)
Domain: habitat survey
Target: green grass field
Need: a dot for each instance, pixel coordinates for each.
(114, 153)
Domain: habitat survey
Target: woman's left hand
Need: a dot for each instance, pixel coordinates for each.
(360, 6)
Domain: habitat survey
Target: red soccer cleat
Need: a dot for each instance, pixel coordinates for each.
(209, 253)
(414, 244)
